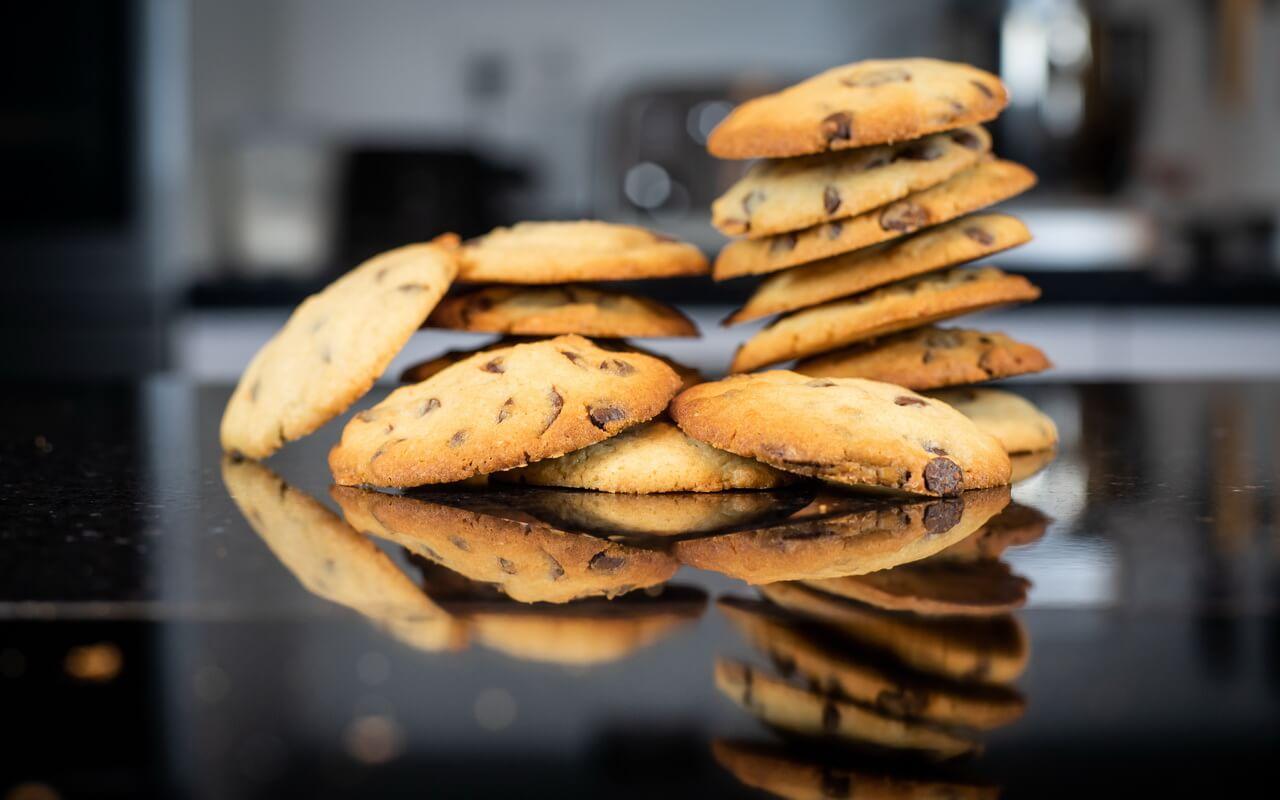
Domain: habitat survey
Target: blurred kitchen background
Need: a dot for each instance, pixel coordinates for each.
(176, 174)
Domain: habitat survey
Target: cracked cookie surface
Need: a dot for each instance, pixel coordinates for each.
(501, 409)
(859, 104)
(845, 430)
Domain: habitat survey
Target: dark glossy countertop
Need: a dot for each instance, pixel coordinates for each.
(154, 641)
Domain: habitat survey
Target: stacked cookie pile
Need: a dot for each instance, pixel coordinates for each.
(866, 200)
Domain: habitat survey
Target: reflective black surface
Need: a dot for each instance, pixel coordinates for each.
(156, 641)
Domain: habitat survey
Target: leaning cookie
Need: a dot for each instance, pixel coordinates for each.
(982, 185)
(889, 309)
(847, 274)
(568, 252)
(651, 458)
(530, 560)
(1013, 420)
(776, 196)
(859, 104)
(499, 410)
(555, 310)
(808, 713)
(876, 534)
(931, 358)
(845, 430)
(334, 346)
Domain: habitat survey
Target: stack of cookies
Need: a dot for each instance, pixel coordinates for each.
(868, 195)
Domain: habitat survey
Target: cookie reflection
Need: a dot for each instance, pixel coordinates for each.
(918, 660)
(839, 535)
(335, 562)
(528, 559)
(582, 633)
(782, 771)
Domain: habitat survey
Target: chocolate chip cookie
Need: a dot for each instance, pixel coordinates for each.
(529, 560)
(865, 103)
(565, 252)
(782, 705)
(947, 245)
(845, 430)
(898, 306)
(651, 458)
(974, 650)
(554, 310)
(1014, 421)
(982, 185)
(419, 372)
(501, 409)
(805, 654)
(872, 535)
(334, 346)
(931, 358)
(789, 194)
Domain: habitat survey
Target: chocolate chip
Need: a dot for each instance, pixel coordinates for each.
(837, 127)
(557, 571)
(390, 428)
(494, 366)
(574, 357)
(982, 87)
(604, 561)
(901, 702)
(908, 400)
(506, 566)
(750, 200)
(928, 357)
(943, 476)
(879, 77)
(830, 717)
(458, 438)
(903, 216)
(783, 243)
(831, 199)
(427, 406)
(979, 235)
(460, 543)
(382, 273)
(836, 784)
(919, 151)
(557, 403)
(617, 367)
(505, 411)
(943, 515)
(966, 139)
(944, 338)
(834, 230)
(601, 416)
